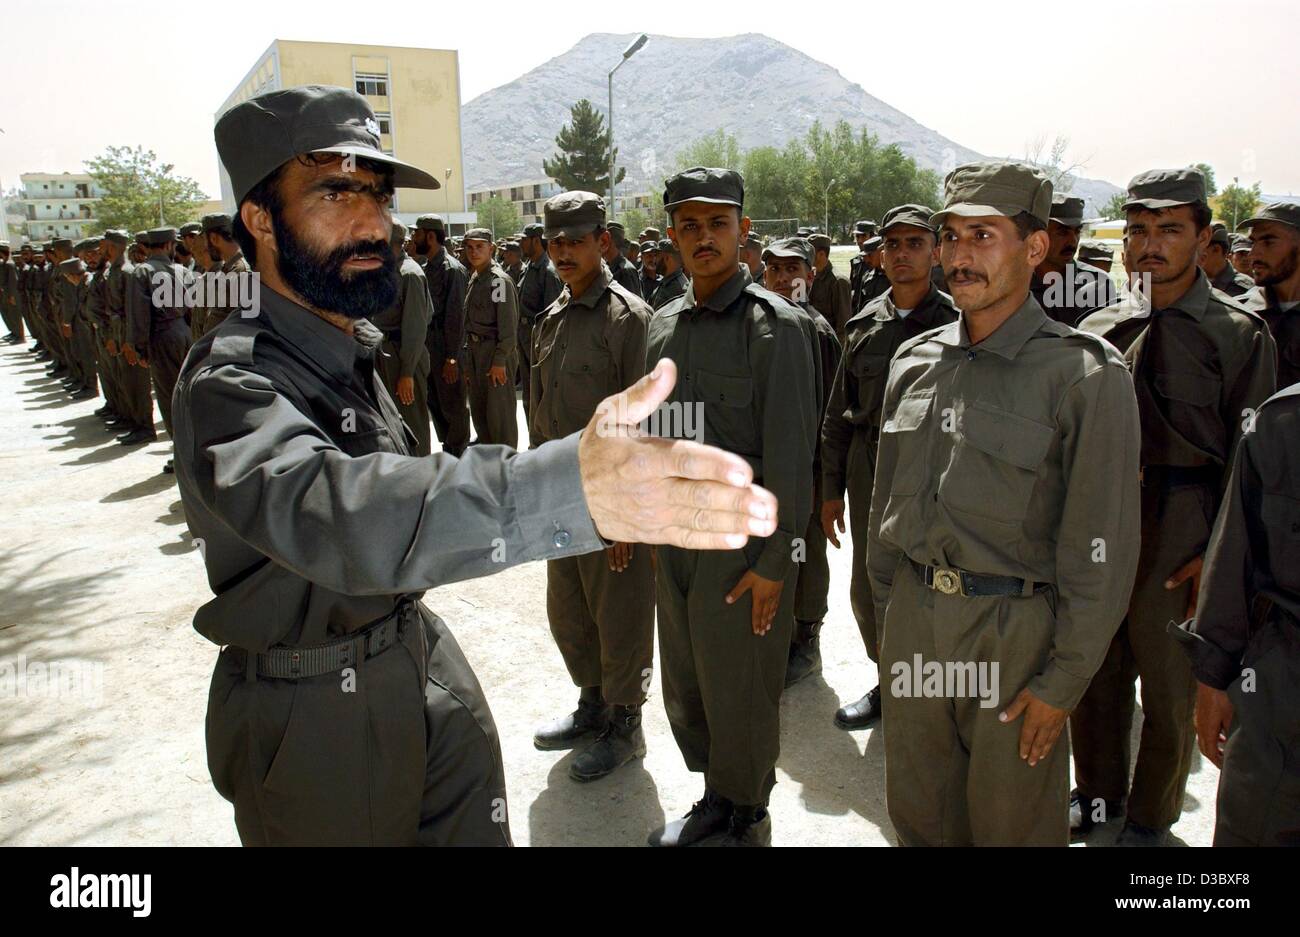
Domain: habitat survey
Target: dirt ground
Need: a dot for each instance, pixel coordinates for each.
(98, 575)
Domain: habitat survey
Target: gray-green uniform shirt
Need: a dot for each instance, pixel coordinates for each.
(492, 311)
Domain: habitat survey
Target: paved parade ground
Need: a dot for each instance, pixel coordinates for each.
(98, 576)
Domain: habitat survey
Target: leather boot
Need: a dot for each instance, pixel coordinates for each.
(805, 652)
(750, 826)
(618, 743)
(587, 719)
(1084, 813)
(860, 714)
(709, 816)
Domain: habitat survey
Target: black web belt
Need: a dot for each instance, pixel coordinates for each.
(293, 663)
(971, 585)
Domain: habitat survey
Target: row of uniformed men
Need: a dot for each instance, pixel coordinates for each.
(1004, 449)
(101, 321)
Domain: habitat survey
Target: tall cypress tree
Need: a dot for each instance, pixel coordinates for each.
(582, 159)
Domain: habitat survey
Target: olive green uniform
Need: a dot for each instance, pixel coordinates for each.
(588, 348)
(829, 294)
(159, 331)
(1017, 458)
(133, 379)
(1198, 367)
(1284, 325)
(669, 288)
(491, 328)
(448, 403)
(538, 288)
(626, 275)
(1229, 281)
(743, 358)
(814, 578)
(403, 353)
(851, 430)
(1245, 638)
(1075, 295)
(9, 310)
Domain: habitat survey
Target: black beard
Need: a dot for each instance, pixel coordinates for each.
(1284, 271)
(319, 279)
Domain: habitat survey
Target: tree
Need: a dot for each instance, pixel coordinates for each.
(1236, 203)
(498, 216)
(1052, 160)
(582, 160)
(718, 149)
(1211, 189)
(1115, 207)
(636, 220)
(140, 193)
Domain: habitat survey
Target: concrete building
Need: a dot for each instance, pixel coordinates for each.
(59, 205)
(415, 94)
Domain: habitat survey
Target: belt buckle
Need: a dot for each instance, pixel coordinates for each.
(947, 581)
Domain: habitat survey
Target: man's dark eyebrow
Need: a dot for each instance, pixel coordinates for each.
(346, 184)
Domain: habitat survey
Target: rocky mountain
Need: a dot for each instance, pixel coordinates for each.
(674, 91)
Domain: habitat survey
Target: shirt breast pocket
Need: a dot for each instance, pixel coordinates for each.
(995, 463)
(584, 376)
(728, 410)
(870, 371)
(901, 428)
(1281, 516)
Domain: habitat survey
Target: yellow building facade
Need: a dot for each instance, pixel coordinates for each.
(415, 94)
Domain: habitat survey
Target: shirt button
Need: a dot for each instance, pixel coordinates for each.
(561, 539)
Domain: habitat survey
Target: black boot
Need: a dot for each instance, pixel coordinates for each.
(618, 743)
(750, 826)
(709, 816)
(861, 714)
(587, 719)
(1085, 811)
(805, 652)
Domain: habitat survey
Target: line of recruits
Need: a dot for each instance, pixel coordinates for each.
(116, 313)
(1021, 490)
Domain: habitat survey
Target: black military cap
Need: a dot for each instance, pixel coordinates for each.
(1067, 210)
(699, 184)
(795, 247)
(649, 234)
(258, 136)
(512, 246)
(158, 237)
(141, 237)
(534, 230)
(4, 245)
(666, 246)
(617, 232)
(918, 216)
(995, 187)
(478, 234)
(1284, 212)
(72, 265)
(190, 227)
(1166, 188)
(753, 240)
(216, 221)
(649, 247)
(85, 244)
(874, 243)
(866, 226)
(430, 222)
(1241, 242)
(632, 244)
(1219, 234)
(1094, 250)
(573, 215)
(117, 236)
(803, 232)
(821, 242)
(61, 244)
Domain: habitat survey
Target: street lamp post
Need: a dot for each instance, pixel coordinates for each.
(1235, 201)
(826, 229)
(630, 51)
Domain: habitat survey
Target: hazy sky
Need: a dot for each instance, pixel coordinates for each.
(1134, 84)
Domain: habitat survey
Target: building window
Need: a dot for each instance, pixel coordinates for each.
(373, 85)
(385, 122)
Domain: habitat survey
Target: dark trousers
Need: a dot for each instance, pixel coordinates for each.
(409, 756)
(1259, 786)
(448, 403)
(603, 622)
(415, 414)
(861, 472)
(814, 571)
(721, 682)
(167, 347)
(525, 339)
(492, 407)
(83, 344)
(13, 318)
(135, 383)
(1175, 528)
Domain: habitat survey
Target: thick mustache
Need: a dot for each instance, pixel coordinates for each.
(359, 250)
(1146, 257)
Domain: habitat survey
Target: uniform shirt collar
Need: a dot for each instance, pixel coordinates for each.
(591, 295)
(1195, 300)
(330, 347)
(722, 297)
(1009, 337)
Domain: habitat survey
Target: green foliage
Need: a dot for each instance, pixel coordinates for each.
(498, 216)
(582, 159)
(1236, 203)
(1115, 207)
(138, 190)
(1211, 187)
